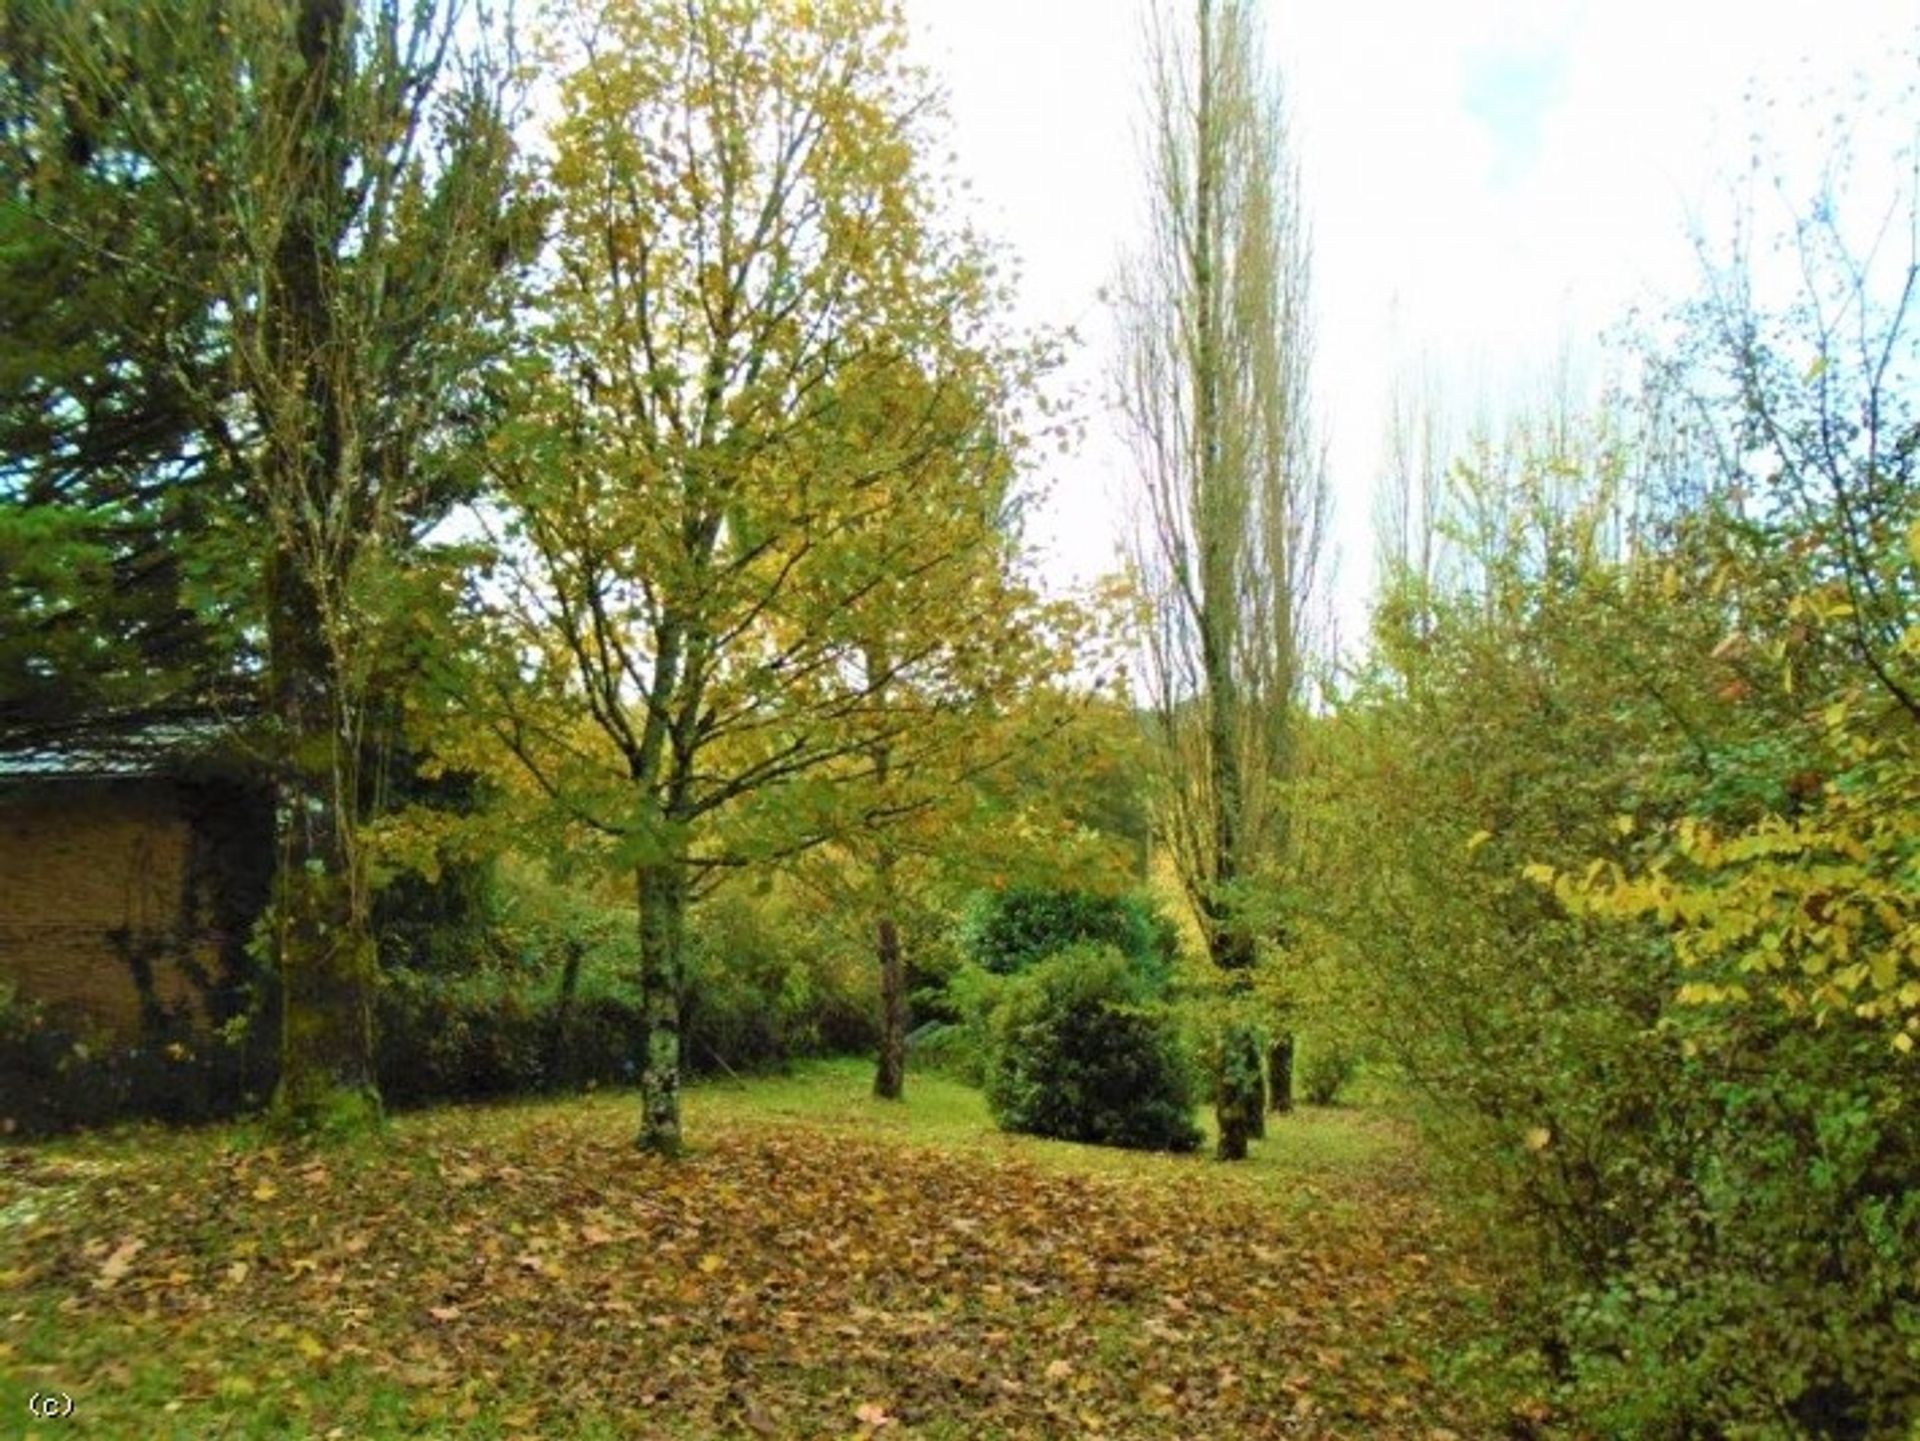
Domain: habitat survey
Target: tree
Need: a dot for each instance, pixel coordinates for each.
(1409, 499)
(918, 818)
(105, 473)
(339, 181)
(991, 795)
(1213, 389)
(933, 734)
(761, 446)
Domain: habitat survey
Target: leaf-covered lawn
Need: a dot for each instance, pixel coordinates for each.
(822, 1266)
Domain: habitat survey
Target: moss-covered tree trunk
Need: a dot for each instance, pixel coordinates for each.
(1239, 1094)
(324, 947)
(1258, 1130)
(662, 888)
(324, 951)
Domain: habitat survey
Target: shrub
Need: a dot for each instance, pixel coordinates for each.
(546, 1002)
(1326, 1068)
(1077, 1050)
(950, 1049)
(1708, 1195)
(754, 998)
(1771, 1272)
(59, 1072)
(1007, 931)
(478, 1037)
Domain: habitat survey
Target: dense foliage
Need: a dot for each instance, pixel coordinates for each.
(1009, 930)
(541, 999)
(1079, 1051)
(603, 539)
(1615, 841)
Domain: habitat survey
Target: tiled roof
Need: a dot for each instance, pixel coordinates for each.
(151, 748)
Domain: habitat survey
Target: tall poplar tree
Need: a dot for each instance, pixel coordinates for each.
(1213, 383)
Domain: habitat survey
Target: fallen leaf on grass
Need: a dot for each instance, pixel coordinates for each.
(119, 1263)
(1177, 1306)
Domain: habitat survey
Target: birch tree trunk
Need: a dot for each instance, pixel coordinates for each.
(662, 893)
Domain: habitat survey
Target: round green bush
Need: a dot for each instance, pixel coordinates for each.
(1077, 1050)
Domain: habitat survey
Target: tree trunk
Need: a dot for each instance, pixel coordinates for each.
(560, 1068)
(1280, 1074)
(890, 1074)
(1237, 1095)
(890, 1077)
(324, 951)
(324, 948)
(327, 976)
(1257, 1126)
(662, 888)
(1239, 1105)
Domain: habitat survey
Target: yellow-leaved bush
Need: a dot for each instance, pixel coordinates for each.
(1817, 910)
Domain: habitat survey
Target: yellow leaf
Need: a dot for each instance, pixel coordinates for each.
(1478, 839)
(265, 1191)
(710, 1263)
(1539, 1138)
(1623, 825)
(1886, 970)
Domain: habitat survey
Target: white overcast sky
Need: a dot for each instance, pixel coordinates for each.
(1490, 183)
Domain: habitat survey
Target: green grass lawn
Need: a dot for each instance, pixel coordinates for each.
(942, 1112)
(821, 1265)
